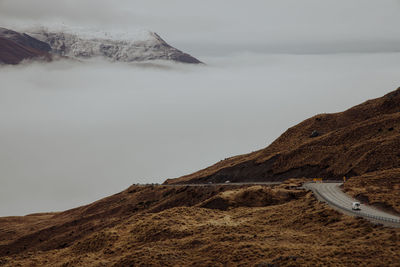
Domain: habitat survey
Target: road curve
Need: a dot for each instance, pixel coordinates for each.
(327, 192)
(334, 196)
(226, 184)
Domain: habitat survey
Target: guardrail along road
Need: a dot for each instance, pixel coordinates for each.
(335, 197)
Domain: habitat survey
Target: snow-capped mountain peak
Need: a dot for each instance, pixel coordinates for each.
(117, 46)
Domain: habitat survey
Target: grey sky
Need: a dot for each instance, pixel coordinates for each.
(209, 25)
(71, 133)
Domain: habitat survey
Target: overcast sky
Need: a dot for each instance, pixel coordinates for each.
(71, 133)
(214, 26)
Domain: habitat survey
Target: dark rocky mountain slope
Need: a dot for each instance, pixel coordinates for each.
(12, 52)
(24, 40)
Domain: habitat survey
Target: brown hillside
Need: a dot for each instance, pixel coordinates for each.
(362, 139)
(380, 189)
(13, 53)
(198, 226)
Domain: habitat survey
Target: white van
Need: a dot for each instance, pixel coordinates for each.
(356, 206)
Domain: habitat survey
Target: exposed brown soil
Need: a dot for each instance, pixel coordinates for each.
(360, 140)
(164, 226)
(13, 53)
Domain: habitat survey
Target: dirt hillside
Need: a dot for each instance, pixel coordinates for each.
(360, 140)
(198, 226)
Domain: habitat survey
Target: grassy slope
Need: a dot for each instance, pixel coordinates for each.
(363, 139)
(158, 226)
(380, 189)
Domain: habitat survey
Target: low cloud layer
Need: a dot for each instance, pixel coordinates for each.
(72, 133)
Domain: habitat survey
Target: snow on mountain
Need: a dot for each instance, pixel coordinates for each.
(129, 47)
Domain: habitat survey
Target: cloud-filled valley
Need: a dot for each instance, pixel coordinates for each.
(74, 132)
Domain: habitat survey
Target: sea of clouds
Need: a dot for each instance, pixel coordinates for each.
(73, 132)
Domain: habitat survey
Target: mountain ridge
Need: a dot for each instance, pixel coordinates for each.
(80, 46)
(362, 139)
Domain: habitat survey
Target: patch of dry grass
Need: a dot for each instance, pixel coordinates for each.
(380, 189)
(291, 232)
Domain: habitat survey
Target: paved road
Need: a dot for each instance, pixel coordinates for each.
(334, 196)
(248, 183)
(329, 193)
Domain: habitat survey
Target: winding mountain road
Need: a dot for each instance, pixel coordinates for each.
(226, 184)
(330, 193)
(335, 197)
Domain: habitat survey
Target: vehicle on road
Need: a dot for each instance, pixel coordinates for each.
(356, 206)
